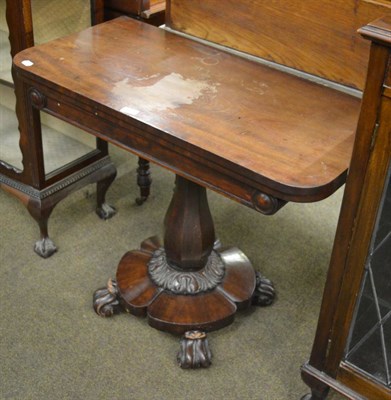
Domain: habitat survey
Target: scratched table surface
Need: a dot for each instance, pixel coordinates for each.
(277, 127)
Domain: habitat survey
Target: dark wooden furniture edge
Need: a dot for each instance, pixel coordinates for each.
(356, 379)
(317, 375)
(348, 384)
(378, 31)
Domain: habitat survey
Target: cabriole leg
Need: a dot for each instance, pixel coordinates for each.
(41, 212)
(104, 210)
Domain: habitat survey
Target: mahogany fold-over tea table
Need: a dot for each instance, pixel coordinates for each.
(257, 135)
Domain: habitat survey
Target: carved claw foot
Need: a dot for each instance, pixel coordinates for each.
(45, 247)
(106, 301)
(105, 211)
(194, 351)
(264, 293)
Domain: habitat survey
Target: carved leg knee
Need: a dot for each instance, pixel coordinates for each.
(41, 212)
(104, 210)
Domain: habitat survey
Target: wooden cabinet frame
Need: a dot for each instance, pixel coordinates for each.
(364, 189)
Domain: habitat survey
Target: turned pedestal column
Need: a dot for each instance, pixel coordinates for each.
(188, 285)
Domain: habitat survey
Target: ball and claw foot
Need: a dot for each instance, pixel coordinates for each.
(264, 293)
(106, 301)
(194, 351)
(45, 247)
(106, 211)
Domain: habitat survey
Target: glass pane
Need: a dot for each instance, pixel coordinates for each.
(9, 133)
(5, 56)
(369, 347)
(366, 319)
(369, 356)
(56, 18)
(52, 19)
(62, 142)
(381, 269)
(385, 221)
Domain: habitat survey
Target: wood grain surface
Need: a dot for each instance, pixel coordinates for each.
(318, 37)
(268, 126)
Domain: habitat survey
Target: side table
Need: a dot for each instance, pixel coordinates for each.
(38, 191)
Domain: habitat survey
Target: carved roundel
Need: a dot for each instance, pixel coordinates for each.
(38, 100)
(183, 282)
(265, 203)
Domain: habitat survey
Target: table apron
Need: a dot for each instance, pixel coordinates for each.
(150, 144)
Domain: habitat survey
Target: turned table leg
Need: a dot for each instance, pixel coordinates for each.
(185, 286)
(144, 180)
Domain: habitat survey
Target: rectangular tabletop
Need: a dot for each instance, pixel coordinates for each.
(230, 114)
